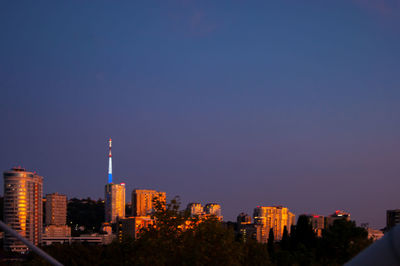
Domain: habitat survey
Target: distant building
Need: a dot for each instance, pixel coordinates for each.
(195, 209)
(57, 231)
(392, 218)
(142, 201)
(56, 209)
(317, 222)
(213, 209)
(337, 215)
(243, 218)
(374, 234)
(245, 228)
(114, 202)
(95, 239)
(275, 217)
(130, 227)
(56, 216)
(106, 228)
(23, 208)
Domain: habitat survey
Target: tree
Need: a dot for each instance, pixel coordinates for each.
(304, 233)
(271, 241)
(87, 213)
(285, 239)
(343, 240)
(183, 240)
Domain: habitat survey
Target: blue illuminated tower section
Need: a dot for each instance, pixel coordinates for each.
(110, 163)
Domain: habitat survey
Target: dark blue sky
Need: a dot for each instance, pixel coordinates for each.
(244, 103)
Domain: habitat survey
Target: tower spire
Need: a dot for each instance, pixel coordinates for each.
(109, 162)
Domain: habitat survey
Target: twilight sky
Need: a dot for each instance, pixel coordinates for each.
(243, 103)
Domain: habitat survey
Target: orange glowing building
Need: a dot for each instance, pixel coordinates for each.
(272, 217)
(142, 201)
(114, 202)
(130, 227)
(210, 210)
(23, 208)
(56, 209)
(213, 209)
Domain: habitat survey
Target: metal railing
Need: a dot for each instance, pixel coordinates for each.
(30, 245)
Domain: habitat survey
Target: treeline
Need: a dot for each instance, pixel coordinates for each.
(85, 215)
(177, 239)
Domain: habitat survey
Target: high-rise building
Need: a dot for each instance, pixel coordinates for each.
(114, 202)
(143, 199)
(56, 209)
(337, 215)
(243, 218)
(392, 218)
(213, 209)
(272, 217)
(317, 222)
(56, 216)
(245, 228)
(23, 208)
(195, 209)
(130, 227)
(114, 195)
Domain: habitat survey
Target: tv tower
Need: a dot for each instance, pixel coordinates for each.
(109, 162)
(114, 195)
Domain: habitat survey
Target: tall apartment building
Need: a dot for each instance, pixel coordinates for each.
(337, 215)
(142, 201)
(195, 209)
(213, 209)
(392, 218)
(56, 209)
(56, 216)
(243, 218)
(317, 222)
(114, 202)
(131, 226)
(245, 228)
(272, 217)
(23, 208)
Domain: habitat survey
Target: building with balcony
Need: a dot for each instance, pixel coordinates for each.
(143, 201)
(272, 217)
(23, 208)
(114, 202)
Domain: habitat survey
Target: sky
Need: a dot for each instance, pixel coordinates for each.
(243, 103)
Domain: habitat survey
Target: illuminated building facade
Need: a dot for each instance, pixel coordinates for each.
(57, 231)
(275, 217)
(374, 234)
(210, 209)
(129, 228)
(23, 208)
(56, 209)
(213, 209)
(142, 201)
(195, 209)
(114, 202)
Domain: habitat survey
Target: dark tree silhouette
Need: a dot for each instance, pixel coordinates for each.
(271, 242)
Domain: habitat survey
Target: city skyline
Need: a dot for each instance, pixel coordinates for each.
(243, 104)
